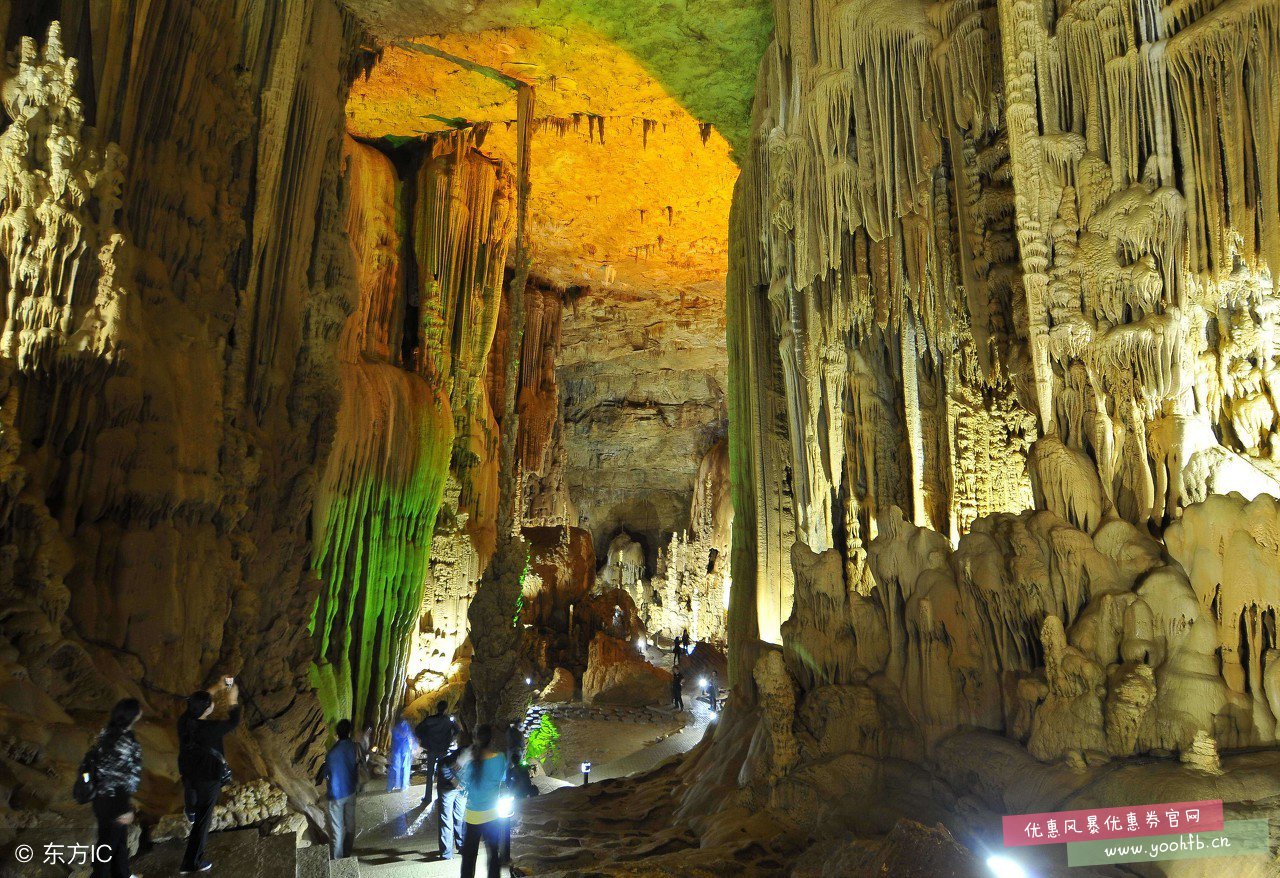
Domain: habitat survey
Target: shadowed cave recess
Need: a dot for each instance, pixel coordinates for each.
(918, 361)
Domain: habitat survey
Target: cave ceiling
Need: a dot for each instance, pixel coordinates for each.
(639, 108)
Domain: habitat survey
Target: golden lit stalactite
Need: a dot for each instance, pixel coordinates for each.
(1136, 320)
(639, 259)
(655, 230)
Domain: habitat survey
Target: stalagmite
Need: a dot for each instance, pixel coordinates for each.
(495, 639)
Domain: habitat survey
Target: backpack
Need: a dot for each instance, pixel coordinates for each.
(199, 764)
(85, 788)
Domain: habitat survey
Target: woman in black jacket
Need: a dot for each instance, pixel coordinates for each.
(203, 767)
(117, 764)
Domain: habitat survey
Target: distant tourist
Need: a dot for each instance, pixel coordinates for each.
(400, 759)
(677, 690)
(111, 772)
(714, 692)
(203, 765)
(435, 735)
(342, 771)
(450, 771)
(484, 778)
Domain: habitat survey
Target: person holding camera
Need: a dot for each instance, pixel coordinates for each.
(203, 765)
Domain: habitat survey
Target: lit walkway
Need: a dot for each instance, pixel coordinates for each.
(398, 840)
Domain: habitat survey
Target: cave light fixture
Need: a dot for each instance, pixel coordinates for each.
(528, 681)
(506, 807)
(1005, 867)
(642, 643)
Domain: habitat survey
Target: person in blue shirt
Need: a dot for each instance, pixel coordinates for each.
(341, 770)
(484, 777)
(400, 760)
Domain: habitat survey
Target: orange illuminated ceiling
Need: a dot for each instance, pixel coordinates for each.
(630, 192)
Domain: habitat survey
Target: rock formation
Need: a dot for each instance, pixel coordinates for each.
(373, 390)
(689, 590)
(176, 278)
(1000, 332)
(413, 369)
(561, 688)
(618, 674)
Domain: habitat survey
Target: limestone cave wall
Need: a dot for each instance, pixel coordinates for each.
(176, 284)
(1003, 356)
(642, 387)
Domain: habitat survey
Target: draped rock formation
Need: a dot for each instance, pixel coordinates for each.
(624, 357)
(1002, 335)
(385, 478)
(175, 280)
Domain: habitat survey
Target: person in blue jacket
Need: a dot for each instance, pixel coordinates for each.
(400, 761)
(342, 771)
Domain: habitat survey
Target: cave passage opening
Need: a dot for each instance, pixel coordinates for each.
(617, 374)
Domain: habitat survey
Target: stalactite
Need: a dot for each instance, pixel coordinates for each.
(397, 427)
(59, 197)
(1016, 255)
(541, 453)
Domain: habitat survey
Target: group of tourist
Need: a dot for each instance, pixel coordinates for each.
(111, 771)
(679, 649)
(469, 773)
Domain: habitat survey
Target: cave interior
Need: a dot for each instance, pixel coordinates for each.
(905, 376)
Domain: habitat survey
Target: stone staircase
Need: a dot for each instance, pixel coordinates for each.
(245, 853)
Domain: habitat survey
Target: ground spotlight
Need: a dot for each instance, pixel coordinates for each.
(1005, 867)
(702, 683)
(506, 806)
(528, 681)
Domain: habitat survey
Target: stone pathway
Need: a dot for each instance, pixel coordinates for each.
(399, 840)
(239, 853)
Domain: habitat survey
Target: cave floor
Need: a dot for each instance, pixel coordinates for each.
(398, 838)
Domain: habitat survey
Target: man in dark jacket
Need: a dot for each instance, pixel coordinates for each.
(203, 766)
(341, 770)
(116, 767)
(435, 735)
